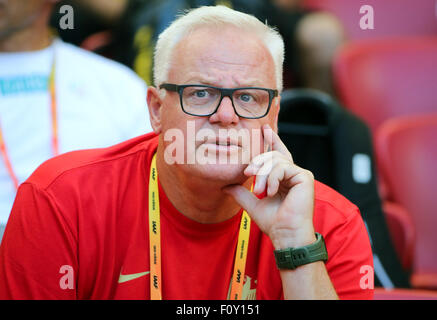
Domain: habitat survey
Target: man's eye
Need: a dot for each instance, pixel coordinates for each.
(246, 98)
(200, 94)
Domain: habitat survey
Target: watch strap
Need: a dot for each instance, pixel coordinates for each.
(291, 258)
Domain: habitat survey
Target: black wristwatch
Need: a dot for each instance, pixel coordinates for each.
(291, 258)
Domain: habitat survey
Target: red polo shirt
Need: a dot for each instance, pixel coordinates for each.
(79, 230)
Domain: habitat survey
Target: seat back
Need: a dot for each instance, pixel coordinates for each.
(97, 41)
(407, 154)
(391, 18)
(381, 79)
(402, 232)
(404, 294)
(336, 147)
(305, 124)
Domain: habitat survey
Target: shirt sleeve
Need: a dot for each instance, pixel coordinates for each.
(38, 251)
(350, 259)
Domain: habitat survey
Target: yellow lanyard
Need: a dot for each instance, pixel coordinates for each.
(155, 244)
(54, 140)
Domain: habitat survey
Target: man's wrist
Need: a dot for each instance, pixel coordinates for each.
(283, 239)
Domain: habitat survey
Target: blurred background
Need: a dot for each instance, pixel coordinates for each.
(359, 106)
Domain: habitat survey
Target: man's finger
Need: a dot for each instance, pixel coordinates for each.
(274, 179)
(274, 142)
(257, 162)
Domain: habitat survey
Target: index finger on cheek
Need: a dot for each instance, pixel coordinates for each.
(268, 136)
(274, 141)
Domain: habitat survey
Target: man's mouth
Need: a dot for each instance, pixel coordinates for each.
(222, 144)
(226, 143)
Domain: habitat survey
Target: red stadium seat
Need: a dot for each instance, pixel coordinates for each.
(404, 294)
(406, 150)
(402, 232)
(391, 17)
(380, 79)
(97, 40)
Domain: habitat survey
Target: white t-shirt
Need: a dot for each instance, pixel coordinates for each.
(99, 103)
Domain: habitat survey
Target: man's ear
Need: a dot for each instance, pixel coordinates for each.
(154, 103)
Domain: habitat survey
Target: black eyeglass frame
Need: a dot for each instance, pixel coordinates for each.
(224, 92)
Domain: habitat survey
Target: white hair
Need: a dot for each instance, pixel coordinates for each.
(214, 16)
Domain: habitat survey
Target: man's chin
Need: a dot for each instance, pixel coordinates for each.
(226, 172)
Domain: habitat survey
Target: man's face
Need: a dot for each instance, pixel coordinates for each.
(225, 58)
(18, 14)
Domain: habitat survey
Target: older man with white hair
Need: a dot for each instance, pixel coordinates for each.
(127, 223)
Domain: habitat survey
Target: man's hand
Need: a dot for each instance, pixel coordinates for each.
(286, 213)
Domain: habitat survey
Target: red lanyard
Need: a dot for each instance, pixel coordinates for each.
(54, 139)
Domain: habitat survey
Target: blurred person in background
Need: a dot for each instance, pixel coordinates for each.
(90, 17)
(55, 97)
(311, 38)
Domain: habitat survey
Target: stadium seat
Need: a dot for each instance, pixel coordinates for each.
(404, 294)
(402, 232)
(406, 149)
(97, 40)
(381, 79)
(392, 18)
(336, 147)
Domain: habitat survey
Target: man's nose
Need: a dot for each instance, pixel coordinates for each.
(225, 114)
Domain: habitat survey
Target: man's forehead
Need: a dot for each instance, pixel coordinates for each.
(218, 34)
(210, 51)
(215, 78)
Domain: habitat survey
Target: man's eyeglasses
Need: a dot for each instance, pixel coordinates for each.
(202, 100)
